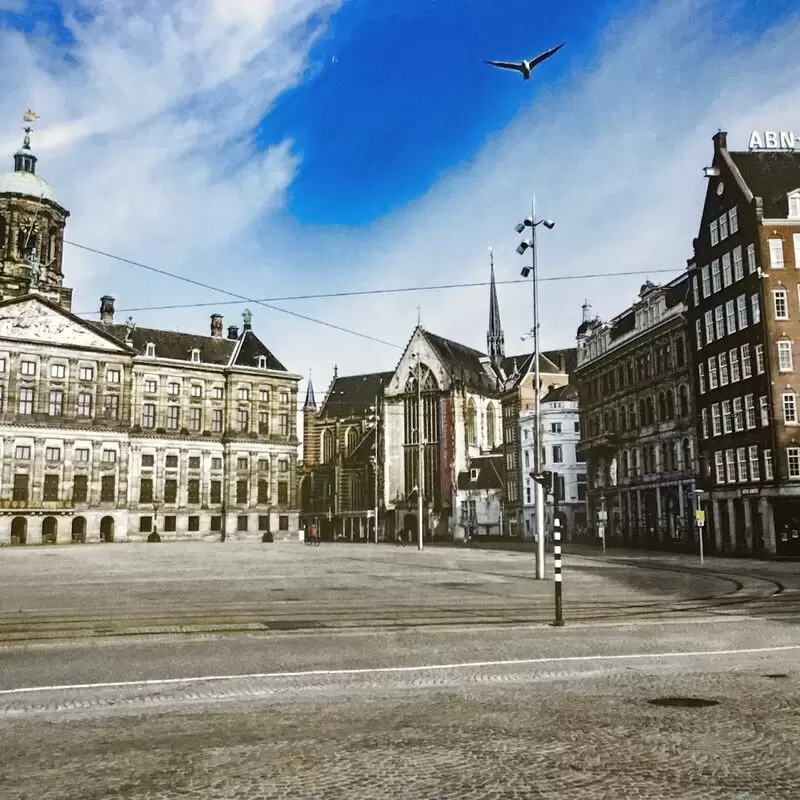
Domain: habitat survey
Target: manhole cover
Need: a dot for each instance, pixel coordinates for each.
(776, 675)
(683, 702)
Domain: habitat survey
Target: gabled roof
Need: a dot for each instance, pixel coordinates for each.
(568, 354)
(464, 363)
(770, 175)
(250, 349)
(561, 394)
(353, 395)
(490, 474)
(213, 350)
(172, 344)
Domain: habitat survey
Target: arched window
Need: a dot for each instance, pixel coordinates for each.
(670, 404)
(662, 407)
(352, 440)
(625, 464)
(612, 420)
(490, 426)
(642, 414)
(623, 419)
(687, 455)
(326, 446)
(470, 422)
(632, 416)
(683, 399)
(649, 411)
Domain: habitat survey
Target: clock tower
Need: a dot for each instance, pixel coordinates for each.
(32, 225)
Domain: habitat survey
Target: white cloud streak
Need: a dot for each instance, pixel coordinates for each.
(146, 135)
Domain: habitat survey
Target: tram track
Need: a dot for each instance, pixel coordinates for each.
(288, 616)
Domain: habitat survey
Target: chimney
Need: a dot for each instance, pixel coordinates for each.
(233, 331)
(563, 362)
(216, 326)
(106, 309)
(720, 141)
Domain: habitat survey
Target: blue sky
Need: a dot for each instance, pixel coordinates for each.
(308, 146)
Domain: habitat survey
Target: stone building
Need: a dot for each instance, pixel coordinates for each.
(107, 430)
(460, 403)
(480, 495)
(339, 481)
(561, 454)
(744, 322)
(637, 419)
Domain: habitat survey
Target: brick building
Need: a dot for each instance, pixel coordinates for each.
(744, 322)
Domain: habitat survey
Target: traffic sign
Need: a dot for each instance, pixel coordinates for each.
(700, 516)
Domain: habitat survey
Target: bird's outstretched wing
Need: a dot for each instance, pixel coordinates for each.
(544, 56)
(505, 65)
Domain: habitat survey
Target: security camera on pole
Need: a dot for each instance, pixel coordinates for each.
(533, 223)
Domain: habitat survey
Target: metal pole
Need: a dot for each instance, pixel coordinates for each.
(538, 489)
(700, 529)
(421, 456)
(559, 620)
(376, 468)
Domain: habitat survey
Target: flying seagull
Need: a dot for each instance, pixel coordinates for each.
(526, 67)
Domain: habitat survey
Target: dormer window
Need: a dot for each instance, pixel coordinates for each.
(262, 362)
(794, 205)
(150, 350)
(473, 474)
(196, 356)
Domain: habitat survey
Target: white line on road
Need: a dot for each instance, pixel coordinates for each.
(379, 670)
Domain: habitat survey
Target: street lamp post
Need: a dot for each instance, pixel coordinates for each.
(533, 223)
(375, 419)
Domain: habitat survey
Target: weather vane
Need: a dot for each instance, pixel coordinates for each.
(130, 327)
(29, 117)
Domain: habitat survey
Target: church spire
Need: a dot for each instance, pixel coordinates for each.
(495, 342)
(311, 401)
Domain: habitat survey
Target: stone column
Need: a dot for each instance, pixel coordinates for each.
(732, 521)
(638, 512)
(767, 525)
(748, 525)
(659, 517)
(717, 505)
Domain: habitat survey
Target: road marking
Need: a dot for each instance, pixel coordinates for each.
(384, 670)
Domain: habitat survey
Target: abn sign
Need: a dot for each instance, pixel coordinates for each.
(773, 140)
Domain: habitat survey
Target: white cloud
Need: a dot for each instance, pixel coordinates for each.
(614, 155)
(146, 132)
(146, 135)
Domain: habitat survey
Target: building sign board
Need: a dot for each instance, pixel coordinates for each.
(773, 140)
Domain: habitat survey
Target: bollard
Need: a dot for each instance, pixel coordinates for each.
(559, 620)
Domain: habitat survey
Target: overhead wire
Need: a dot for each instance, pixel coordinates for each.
(268, 302)
(240, 297)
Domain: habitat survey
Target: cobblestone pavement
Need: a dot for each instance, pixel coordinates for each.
(95, 590)
(580, 731)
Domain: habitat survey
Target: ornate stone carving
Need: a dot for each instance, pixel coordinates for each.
(33, 321)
